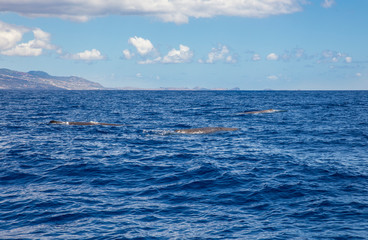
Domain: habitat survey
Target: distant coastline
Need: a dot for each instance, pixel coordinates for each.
(39, 80)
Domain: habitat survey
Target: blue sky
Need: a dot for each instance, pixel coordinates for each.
(250, 44)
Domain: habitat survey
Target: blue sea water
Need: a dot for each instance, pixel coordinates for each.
(299, 174)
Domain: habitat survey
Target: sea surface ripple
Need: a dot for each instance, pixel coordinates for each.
(298, 174)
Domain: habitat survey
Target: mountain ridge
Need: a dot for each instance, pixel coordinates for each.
(39, 80)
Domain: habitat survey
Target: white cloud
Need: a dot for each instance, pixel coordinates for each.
(87, 55)
(149, 55)
(23, 49)
(11, 35)
(183, 55)
(128, 54)
(42, 40)
(143, 46)
(221, 53)
(272, 77)
(178, 11)
(328, 3)
(358, 74)
(272, 57)
(217, 54)
(348, 59)
(230, 59)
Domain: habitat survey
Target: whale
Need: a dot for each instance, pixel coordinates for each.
(84, 123)
(205, 130)
(262, 111)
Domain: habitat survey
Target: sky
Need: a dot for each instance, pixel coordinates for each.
(249, 44)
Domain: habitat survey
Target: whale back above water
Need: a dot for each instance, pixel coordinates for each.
(262, 111)
(205, 130)
(84, 123)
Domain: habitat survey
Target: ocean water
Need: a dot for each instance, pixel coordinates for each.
(298, 174)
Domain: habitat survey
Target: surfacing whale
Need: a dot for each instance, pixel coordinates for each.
(262, 111)
(205, 130)
(84, 123)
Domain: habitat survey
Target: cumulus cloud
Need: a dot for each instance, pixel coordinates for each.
(23, 49)
(147, 53)
(183, 55)
(178, 11)
(143, 46)
(11, 35)
(128, 54)
(272, 57)
(11, 44)
(221, 53)
(328, 3)
(87, 55)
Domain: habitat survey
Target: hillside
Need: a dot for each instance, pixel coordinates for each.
(38, 80)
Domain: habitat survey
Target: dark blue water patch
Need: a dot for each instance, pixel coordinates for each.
(299, 174)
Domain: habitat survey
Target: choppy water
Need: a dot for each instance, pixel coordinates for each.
(299, 174)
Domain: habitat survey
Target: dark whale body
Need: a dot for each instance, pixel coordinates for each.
(205, 130)
(84, 123)
(263, 111)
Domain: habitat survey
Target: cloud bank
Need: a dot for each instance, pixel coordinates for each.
(178, 11)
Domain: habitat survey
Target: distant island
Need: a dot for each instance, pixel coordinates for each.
(39, 80)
